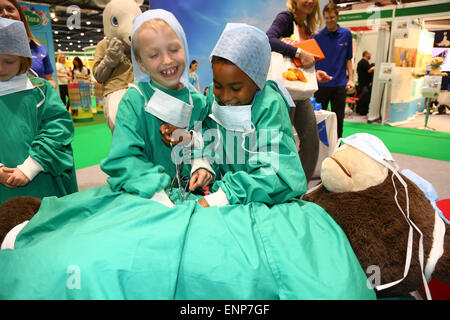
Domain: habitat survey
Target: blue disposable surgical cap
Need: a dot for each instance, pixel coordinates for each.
(248, 48)
(14, 38)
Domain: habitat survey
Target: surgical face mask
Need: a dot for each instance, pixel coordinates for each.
(239, 119)
(233, 118)
(170, 109)
(15, 84)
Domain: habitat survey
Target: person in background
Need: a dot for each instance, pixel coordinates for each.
(80, 73)
(41, 66)
(365, 71)
(336, 44)
(36, 157)
(64, 76)
(305, 15)
(193, 77)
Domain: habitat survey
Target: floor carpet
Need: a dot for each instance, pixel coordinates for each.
(91, 144)
(414, 142)
(93, 139)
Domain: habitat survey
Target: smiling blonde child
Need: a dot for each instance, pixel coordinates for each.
(139, 161)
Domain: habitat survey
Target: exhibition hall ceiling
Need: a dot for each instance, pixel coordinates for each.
(70, 36)
(89, 31)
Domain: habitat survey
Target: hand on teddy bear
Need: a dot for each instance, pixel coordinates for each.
(200, 178)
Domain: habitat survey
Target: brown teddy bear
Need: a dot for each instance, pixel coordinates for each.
(359, 190)
(15, 211)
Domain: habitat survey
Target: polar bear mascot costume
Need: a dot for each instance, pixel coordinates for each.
(112, 61)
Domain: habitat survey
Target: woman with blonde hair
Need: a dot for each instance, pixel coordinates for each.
(41, 67)
(304, 15)
(64, 76)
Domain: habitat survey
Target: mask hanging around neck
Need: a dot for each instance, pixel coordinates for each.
(170, 109)
(16, 84)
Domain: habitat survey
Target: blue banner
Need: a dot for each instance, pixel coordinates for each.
(38, 18)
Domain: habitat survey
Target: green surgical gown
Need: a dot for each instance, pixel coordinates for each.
(139, 162)
(45, 133)
(101, 244)
(256, 174)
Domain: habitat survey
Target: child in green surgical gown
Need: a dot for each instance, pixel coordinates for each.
(248, 137)
(120, 245)
(139, 162)
(36, 130)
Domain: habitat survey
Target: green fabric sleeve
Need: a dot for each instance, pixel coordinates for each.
(130, 162)
(55, 130)
(267, 177)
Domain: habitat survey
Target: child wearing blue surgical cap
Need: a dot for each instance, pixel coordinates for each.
(248, 136)
(139, 161)
(36, 130)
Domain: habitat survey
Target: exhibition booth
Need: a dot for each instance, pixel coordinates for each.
(402, 46)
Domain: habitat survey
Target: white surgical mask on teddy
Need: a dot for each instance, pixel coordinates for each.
(15, 84)
(170, 109)
(375, 149)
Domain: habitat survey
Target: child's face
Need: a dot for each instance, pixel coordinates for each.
(162, 56)
(231, 85)
(9, 66)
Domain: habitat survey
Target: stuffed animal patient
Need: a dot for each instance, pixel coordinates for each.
(16, 211)
(364, 193)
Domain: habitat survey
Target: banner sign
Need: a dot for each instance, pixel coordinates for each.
(38, 18)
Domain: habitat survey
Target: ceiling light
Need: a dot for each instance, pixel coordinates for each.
(88, 22)
(71, 43)
(82, 34)
(55, 19)
(90, 40)
(99, 30)
(59, 44)
(52, 14)
(57, 40)
(68, 37)
(79, 41)
(67, 48)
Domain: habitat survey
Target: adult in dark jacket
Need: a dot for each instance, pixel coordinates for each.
(365, 71)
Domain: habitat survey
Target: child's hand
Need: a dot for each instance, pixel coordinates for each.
(200, 178)
(203, 203)
(16, 178)
(3, 176)
(172, 135)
